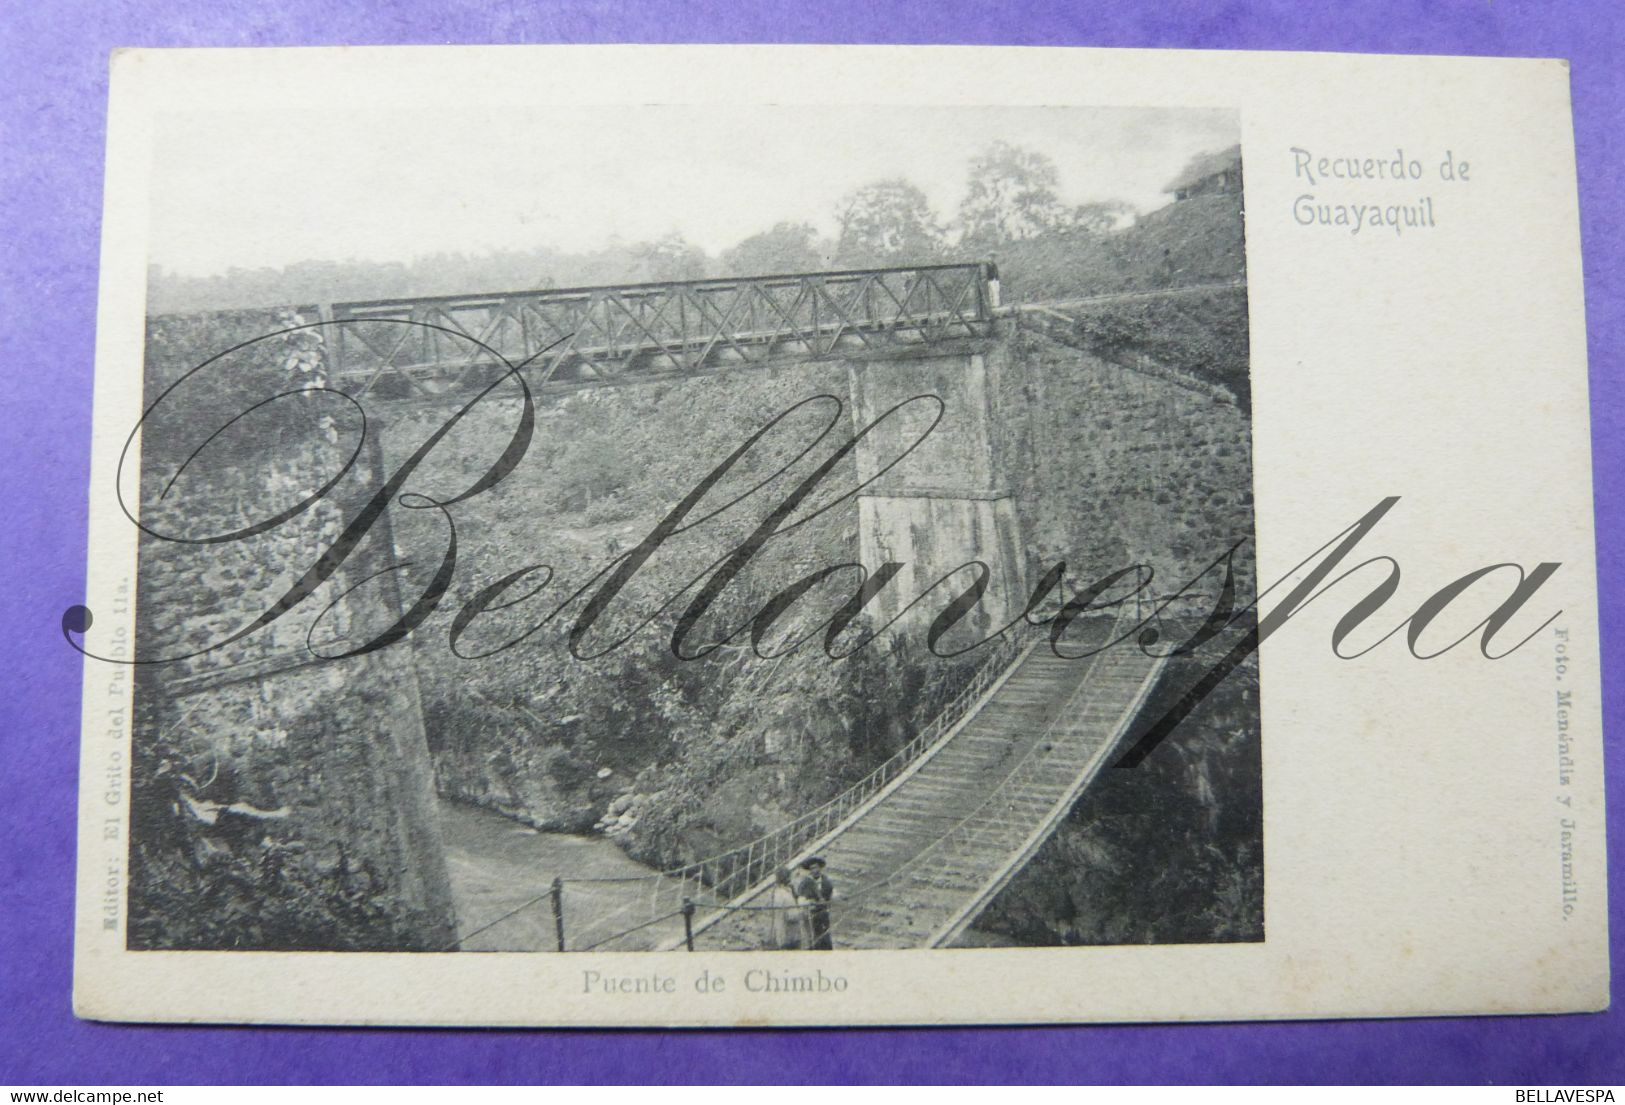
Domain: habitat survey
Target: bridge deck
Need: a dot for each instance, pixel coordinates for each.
(919, 863)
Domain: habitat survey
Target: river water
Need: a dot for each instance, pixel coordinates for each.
(502, 870)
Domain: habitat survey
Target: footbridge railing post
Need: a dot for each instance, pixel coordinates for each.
(557, 896)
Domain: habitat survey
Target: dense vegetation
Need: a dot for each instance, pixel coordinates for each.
(1168, 852)
(232, 849)
(677, 758)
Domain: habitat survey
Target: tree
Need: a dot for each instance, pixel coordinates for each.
(887, 223)
(786, 247)
(1100, 217)
(1011, 196)
(670, 258)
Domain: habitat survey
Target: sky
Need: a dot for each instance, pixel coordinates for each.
(268, 189)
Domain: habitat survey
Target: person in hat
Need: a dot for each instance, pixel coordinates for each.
(814, 888)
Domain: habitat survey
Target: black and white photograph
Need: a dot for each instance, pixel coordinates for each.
(656, 528)
(813, 536)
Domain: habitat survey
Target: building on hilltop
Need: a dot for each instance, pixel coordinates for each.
(1214, 173)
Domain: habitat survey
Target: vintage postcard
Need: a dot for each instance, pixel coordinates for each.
(824, 536)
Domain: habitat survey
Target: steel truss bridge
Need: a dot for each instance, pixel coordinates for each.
(567, 337)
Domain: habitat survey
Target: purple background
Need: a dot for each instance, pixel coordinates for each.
(53, 57)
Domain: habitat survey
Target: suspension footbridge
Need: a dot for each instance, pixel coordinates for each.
(920, 846)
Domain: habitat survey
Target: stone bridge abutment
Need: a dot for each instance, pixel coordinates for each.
(943, 505)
